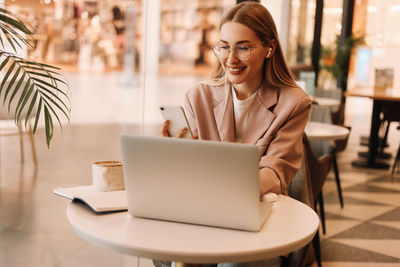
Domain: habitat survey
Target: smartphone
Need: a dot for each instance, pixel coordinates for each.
(177, 120)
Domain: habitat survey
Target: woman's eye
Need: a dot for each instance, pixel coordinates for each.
(224, 47)
(243, 48)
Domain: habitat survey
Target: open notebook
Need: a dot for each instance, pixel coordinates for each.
(98, 201)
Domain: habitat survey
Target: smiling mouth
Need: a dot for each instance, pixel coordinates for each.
(236, 70)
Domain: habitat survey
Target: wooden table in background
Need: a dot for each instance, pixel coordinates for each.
(379, 99)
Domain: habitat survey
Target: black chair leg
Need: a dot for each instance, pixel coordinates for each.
(337, 178)
(317, 249)
(396, 163)
(322, 211)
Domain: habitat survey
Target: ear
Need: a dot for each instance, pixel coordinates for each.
(271, 47)
(269, 52)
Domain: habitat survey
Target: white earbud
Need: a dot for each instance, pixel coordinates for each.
(269, 52)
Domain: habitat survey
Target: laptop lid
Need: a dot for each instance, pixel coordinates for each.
(193, 181)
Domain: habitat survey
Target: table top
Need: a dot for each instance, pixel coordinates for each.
(290, 226)
(386, 95)
(325, 131)
(326, 102)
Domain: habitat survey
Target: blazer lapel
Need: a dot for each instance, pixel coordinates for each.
(260, 115)
(223, 113)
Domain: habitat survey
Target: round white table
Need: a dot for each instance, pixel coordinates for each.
(290, 226)
(325, 131)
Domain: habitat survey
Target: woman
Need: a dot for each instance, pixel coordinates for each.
(252, 97)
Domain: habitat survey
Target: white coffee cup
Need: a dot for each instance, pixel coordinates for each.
(108, 176)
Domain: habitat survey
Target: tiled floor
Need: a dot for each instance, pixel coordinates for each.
(34, 230)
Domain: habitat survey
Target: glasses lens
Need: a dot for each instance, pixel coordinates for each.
(242, 52)
(221, 51)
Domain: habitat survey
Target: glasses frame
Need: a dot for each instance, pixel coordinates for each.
(230, 49)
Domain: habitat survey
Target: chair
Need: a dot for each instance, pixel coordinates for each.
(334, 116)
(299, 68)
(390, 113)
(337, 113)
(304, 187)
(319, 168)
(396, 163)
(5, 116)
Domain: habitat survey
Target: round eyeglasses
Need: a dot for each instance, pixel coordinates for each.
(242, 52)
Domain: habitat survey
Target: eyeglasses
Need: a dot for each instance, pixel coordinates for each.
(242, 52)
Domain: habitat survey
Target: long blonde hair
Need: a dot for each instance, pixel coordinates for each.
(256, 17)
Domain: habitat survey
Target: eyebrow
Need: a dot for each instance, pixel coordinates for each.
(239, 42)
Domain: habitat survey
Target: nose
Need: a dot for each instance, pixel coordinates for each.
(232, 56)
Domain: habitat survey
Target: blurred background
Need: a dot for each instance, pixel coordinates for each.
(122, 59)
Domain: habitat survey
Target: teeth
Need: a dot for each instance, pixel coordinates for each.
(234, 69)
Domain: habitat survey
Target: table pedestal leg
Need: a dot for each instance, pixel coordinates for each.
(380, 155)
(371, 162)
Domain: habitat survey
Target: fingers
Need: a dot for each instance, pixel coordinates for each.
(165, 132)
(164, 129)
(181, 133)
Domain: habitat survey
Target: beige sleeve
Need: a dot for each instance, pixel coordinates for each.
(283, 157)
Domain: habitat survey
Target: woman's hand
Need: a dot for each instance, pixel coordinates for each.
(180, 134)
(165, 132)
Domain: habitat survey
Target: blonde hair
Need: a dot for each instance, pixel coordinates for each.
(256, 17)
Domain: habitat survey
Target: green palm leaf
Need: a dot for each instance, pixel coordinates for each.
(40, 92)
(13, 29)
(29, 89)
(31, 106)
(22, 102)
(49, 128)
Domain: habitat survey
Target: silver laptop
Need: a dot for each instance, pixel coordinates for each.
(193, 181)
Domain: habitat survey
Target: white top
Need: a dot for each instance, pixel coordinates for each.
(241, 113)
(325, 131)
(290, 226)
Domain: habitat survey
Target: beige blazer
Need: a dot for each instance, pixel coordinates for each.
(275, 124)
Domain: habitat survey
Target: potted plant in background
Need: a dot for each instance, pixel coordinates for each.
(335, 61)
(29, 89)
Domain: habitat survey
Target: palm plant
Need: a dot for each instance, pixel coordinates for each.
(27, 87)
(335, 58)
